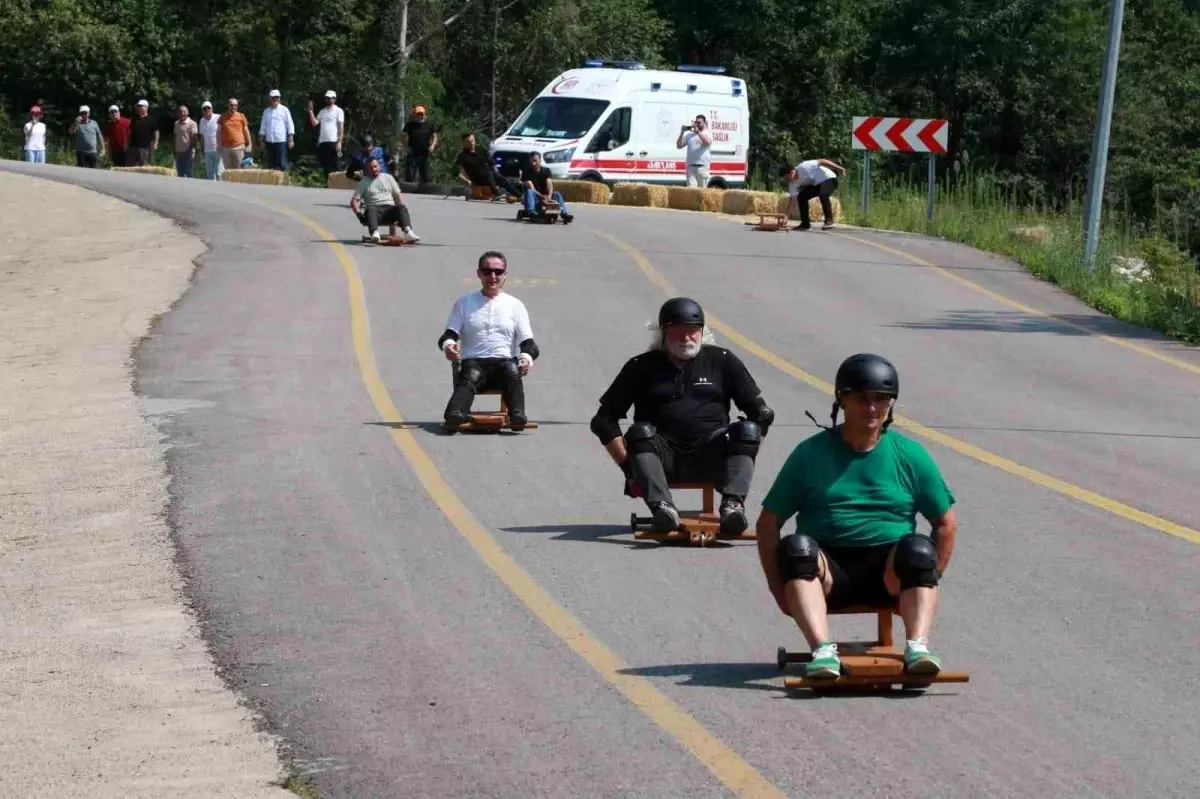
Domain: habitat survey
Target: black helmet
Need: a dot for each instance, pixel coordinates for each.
(866, 372)
(680, 311)
(367, 140)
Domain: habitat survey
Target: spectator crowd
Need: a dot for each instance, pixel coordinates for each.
(226, 141)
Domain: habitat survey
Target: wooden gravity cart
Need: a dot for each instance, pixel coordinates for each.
(697, 528)
(866, 665)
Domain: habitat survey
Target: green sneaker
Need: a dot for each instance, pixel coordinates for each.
(825, 662)
(919, 660)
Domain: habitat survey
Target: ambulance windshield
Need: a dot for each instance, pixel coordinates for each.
(558, 118)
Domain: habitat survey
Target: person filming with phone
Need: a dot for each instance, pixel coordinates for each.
(698, 140)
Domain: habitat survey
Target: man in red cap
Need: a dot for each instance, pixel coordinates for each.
(35, 137)
(420, 138)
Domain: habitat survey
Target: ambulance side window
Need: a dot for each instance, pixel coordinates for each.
(613, 133)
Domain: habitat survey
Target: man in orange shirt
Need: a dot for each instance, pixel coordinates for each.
(234, 134)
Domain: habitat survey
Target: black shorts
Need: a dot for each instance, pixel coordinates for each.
(857, 575)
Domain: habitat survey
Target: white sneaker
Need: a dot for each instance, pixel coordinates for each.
(410, 235)
(376, 237)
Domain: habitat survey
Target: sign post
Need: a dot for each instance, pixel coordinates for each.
(866, 180)
(903, 135)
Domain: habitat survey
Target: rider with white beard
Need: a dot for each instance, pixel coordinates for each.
(681, 391)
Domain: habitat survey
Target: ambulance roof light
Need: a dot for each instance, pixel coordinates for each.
(702, 69)
(603, 62)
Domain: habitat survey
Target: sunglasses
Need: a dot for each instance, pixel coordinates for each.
(486, 271)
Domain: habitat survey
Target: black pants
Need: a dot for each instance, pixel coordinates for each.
(375, 215)
(730, 474)
(415, 163)
(87, 160)
(327, 157)
(475, 375)
(277, 155)
(823, 191)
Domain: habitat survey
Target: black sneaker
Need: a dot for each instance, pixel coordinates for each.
(517, 420)
(733, 517)
(666, 518)
(456, 419)
(568, 218)
(803, 226)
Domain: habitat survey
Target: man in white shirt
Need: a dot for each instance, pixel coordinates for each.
(35, 137)
(489, 335)
(210, 141)
(376, 200)
(698, 140)
(809, 179)
(278, 132)
(331, 125)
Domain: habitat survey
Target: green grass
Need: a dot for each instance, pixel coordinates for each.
(981, 212)
(302, 787)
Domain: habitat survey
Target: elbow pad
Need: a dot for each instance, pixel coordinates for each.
(605, 429)
(530, 348)
(763, 416)
(449, 335)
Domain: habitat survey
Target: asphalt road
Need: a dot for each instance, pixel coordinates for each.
(358, 607)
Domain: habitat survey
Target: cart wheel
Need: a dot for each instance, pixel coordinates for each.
(633, 523)
(781, 658)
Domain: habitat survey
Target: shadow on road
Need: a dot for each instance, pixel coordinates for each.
(749, 676)
(1018, 322)
(598, 533)
(435, 428)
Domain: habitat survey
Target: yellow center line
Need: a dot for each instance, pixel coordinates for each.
(1012, 467)
(738, 775)
(1000, 298)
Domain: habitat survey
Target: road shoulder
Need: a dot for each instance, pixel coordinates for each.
(108, 687)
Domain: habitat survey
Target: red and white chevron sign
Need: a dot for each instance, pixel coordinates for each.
(898, 134)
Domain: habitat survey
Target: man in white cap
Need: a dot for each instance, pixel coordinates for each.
(210, 140)
(278, 132)
(89, 141)
(117, 133)
(143, 137)
(331, 124)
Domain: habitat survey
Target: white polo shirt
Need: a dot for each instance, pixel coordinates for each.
(35, 136)
(489, 327)
(209, 131)
(328, 119)
(810, 173)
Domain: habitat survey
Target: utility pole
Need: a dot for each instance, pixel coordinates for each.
(495, 59)
(1108, 89)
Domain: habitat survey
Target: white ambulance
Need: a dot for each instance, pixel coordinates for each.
(618, 121)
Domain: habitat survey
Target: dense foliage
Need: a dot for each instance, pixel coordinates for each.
(1018, 79)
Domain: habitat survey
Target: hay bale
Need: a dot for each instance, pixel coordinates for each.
(641, 195)
(147, 170)
(814, 208)
(737, 202)
(582, 191)
(338, 180)
(261, 177)
(689, 199)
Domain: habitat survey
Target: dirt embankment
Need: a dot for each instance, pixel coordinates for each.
(105, 686)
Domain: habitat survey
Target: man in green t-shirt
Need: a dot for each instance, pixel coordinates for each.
(855, 490)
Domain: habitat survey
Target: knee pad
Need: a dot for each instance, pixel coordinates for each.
(798, 558)
(640, 438)
(471, 374)
(744, 438)
(916, 562)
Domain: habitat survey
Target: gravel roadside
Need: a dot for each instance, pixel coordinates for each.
(106, 688)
